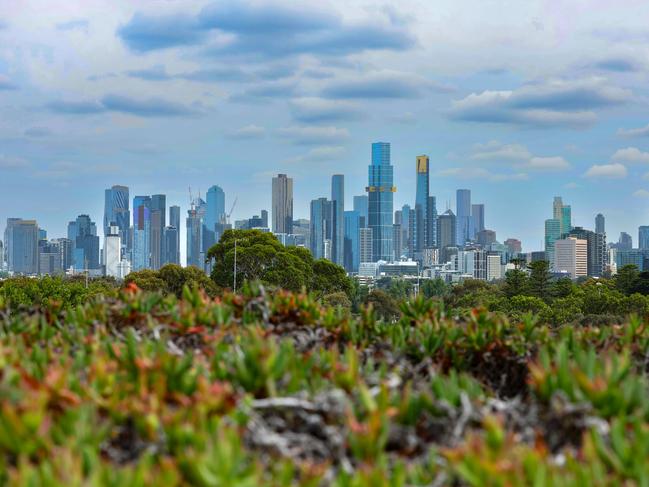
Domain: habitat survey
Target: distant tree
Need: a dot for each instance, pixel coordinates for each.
(329, 278)
(337, 299)
(516, 282)
(540, 280)
(562, 288)
(384, 305)
(147, 280)
(434, 288)
(626, 279)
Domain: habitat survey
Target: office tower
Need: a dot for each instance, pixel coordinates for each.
(158, 224)
(264, 218)
(562, 213)
(464, 222)
(194, 225)
(396, 241)
(552, 234)
(141, 247)
(571, 256)
(421, 206)
(407, 222)
(432, 222)
(282, 204)
(174, 221)
(486, 237)
(83, 233)
(477, 214)
(116, 212)
(596, 243)
(380, 197)
(625, 242)
(361, 206)
(320, 222)
(352, 241)
(600, 224)
(172, 253)
(446, 230)
(66, 248)
(302, 231)
(214, 217)
(366, 245)
(338, 219)
(513, 245)
(21, 246)
(49, 259)
(112, 252)
(643, 237)
(494, 267)
(42, 234)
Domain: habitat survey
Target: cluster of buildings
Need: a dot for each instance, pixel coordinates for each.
(370, 240)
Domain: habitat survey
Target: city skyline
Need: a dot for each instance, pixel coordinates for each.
(220, 103)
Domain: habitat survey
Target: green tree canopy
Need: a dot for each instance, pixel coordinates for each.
(540, 284)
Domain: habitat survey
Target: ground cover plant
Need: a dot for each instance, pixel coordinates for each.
(275, 388)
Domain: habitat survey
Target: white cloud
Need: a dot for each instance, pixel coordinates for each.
(606, 171)
(548, 164)
(10, 162)
(638, 132)
(480, 173)
(494, 151)
(313, 135)
(631, 154)
(319, 154)
(248, 132)
(641, 193)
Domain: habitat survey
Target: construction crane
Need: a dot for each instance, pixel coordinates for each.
(227, 217)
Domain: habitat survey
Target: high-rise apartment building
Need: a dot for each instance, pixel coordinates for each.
(421, 205)
(571, 256)
(463, 220)
(112, 252)
(282, 204)
(171, 251)
(600, 224)
(320, 226)
(21, 246)
(116, 212)
(625, 241)
(141, 253)
(432, 222)
(49, 259)
(380, 193)
(338, 219)
(596, 244)
(194, 225)
(366, 244)
(446, 233)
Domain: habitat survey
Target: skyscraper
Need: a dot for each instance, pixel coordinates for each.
(643, 237)
(571, 256)
(446, 230)
(112, 252)
(596, 246)
(141, 233)
(352, 240)
(552, 234)
(361, 206)
(365, 240)
(477, 214)
(21, 246)
(432, 222)
(214, 216)
(381, 191)
(194, 225)
(563, 213)
(320, 226)
(83, 233)
(625, 242)
(421, 205)
(158, 224)
(338, 218)
(171, 251)
(116, 212)
(282, 204)
(174, 221)
(600, 225)
(463, 217)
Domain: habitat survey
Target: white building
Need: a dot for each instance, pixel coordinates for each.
(571, 256)
(494, 267)
(112, 252)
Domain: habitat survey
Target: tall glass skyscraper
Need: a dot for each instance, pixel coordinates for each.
(338, 219)
(282, 204)
(380, 191)
(600, 224)
(83, 234)
(214, 215)
(158, 224)
(477, 213)
(21, 246)
(421, 205)
(116, 212)
(320, 220)
(141, 233)
(360, 205)
(643, 237)
(352, 241)
(563, 213)
(432, 221)
(464, 221)
(552, 234)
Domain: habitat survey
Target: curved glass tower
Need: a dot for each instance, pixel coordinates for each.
(380, 192)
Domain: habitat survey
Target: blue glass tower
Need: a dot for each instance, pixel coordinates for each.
(141, 232)
(214, 215)
(116, 212)
(338, 218)
(421, 205)
(380, 191)
(352, 241)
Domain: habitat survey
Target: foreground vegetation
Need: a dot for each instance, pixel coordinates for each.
(275, 389)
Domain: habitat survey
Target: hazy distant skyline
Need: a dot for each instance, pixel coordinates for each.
(517, 101)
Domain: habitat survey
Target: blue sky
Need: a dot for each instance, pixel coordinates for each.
(517, 101)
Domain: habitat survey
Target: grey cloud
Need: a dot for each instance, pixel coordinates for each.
(150, 107)
(76, 107)
(270, 90)
(566, 103)
(73, 24)
(637, 132)
(619, 65)
(148, 33)
(154, 73)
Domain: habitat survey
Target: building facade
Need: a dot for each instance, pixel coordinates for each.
(380, 194)
(282, 204)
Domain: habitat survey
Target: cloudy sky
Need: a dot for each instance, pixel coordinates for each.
(518, 101)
